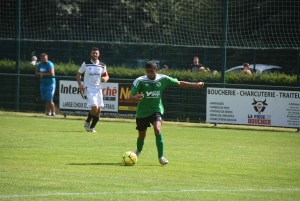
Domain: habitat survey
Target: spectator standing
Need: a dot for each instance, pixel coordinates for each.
(215, 72)
(201, 69)
(194, 67)
(246, 69)
(45, 70)
(148, 90)
(94, 73)
(34, 61)
(164, 68)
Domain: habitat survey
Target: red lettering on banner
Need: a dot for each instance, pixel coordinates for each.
(109, 92)
(259, 121)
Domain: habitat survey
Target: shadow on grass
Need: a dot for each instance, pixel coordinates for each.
(69, 131)
(110, 164)
(246, 127)
(115, 164)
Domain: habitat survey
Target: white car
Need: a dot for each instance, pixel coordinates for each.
(259, 68)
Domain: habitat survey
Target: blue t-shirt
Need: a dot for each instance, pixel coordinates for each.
(45, 68)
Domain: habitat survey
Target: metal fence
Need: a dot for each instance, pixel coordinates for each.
(181, 104)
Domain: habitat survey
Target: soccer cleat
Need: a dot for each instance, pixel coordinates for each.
(92, 130)
(53, 115)
(163, 161)
(87, 126)
(137, 153)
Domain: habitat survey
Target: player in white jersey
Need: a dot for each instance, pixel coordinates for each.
(94, 73)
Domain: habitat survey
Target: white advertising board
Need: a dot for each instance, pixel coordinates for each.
(70, 97)
(253, 107)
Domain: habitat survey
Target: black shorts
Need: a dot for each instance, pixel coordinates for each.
(143, 123)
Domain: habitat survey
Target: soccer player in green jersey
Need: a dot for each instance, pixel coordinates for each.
(148, 90)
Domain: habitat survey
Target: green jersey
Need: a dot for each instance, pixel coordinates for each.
(152, 90)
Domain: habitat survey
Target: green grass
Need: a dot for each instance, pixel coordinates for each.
(55, 159)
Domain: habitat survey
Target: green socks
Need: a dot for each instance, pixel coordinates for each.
(159, 144)
(139, 145)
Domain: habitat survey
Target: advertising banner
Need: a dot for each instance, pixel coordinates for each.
(115, 97)
(253, 107)
(71, 98)
(126, 105)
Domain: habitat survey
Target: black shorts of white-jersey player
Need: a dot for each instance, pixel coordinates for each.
(148, 90)
(94, 73)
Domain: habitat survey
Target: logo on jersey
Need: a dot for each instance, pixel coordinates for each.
(94, 74)
(158, 84)
(153, 94)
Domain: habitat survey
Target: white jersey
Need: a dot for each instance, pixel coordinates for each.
(92, 73)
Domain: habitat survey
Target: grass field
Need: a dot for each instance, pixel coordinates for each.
(44, 158)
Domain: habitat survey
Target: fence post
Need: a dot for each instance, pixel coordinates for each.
(254, 60)
(18, 53)
(298, 75)
(298, 69)
(224, 40)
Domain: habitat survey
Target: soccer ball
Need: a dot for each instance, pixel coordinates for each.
(129, 158)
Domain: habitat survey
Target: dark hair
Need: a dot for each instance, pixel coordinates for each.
(151, 64)
(165, 66)
(245, 64)
(44, 54)
(95, 49)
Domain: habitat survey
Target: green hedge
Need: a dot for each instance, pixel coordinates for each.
(70, 69)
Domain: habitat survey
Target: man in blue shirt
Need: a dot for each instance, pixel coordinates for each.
(45, 70)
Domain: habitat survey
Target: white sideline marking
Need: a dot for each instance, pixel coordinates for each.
(151, 192)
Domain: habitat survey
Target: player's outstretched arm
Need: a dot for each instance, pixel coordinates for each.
(190, 84)
(136, 97)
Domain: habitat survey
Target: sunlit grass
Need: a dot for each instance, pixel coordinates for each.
(55, 159)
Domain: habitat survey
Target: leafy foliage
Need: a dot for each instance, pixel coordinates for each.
(70, 69)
